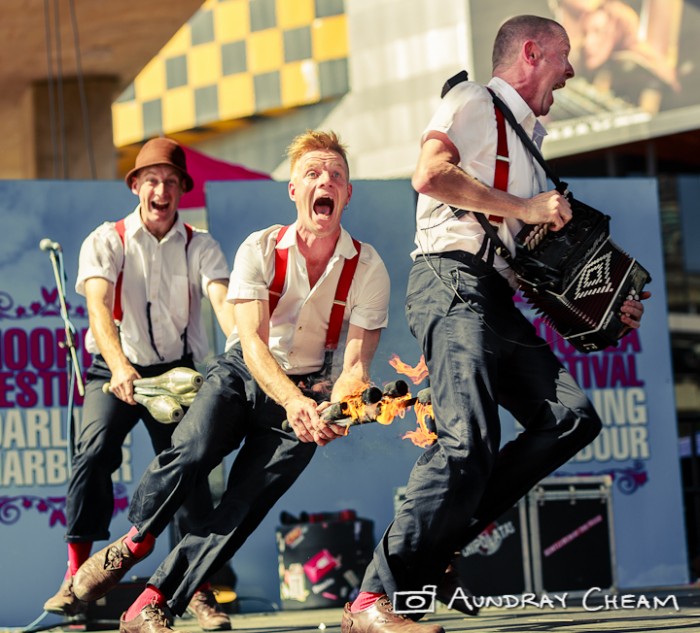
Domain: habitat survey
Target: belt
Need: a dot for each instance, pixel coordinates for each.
(463, 257)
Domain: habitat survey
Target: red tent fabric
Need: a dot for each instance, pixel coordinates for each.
(203, 168)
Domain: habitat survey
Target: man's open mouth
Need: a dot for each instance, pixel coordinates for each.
(323, 206)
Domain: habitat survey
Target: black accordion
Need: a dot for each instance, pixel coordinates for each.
(578, 278)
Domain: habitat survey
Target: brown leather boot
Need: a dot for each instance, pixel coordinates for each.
(103, 570)
(380, 618)
(152, 619)
(209, 614)
(65, 602)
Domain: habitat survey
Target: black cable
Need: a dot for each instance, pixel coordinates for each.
(71, 369)
(454, 290)
(37, 625)
(83, 97)
(49, 84)
(59, 92)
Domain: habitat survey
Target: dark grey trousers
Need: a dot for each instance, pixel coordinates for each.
(106, 422)
(481, 352)
(229, 412)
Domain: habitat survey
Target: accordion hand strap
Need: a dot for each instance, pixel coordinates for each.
(501, 248)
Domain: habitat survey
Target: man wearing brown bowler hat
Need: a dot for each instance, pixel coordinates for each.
(143, 278)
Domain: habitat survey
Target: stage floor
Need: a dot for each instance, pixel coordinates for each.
(670, 609)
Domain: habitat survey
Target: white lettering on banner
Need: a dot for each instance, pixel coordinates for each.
(33, 468)
(625, 435)
(40, 428)
(618, 444)
(616, 390)
(12, 430)
(33, 448)
(620, 406)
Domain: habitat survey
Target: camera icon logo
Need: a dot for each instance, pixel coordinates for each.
(422, 601)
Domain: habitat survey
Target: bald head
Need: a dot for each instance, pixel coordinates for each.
(514, 32)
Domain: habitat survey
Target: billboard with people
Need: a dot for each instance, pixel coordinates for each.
(637, 74)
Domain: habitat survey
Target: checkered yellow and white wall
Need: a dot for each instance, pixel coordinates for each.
(233, 60)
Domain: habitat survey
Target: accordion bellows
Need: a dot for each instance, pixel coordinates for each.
(578, 278)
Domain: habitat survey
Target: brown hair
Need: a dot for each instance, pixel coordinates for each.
(312, 140)
(515, 30)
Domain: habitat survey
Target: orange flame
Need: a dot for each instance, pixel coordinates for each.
(391, 407)
(415, 374)
(422, 436)
(356, 409)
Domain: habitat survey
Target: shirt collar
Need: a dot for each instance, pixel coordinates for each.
(343, 248)
(521, 111)
(134, 224)
(345, 245)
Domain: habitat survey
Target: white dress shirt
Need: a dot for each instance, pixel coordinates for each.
(466, 115)
(299, 323)
(159, 272)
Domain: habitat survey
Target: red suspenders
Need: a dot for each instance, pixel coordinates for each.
(500, 179)
(335, 322)
(118, 310)
(277, 284)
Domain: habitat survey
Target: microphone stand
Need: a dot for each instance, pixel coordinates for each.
(74, 371)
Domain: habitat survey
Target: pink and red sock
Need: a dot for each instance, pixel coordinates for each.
(150, 595)
(78, 553)
(143, 547)
(364, 601)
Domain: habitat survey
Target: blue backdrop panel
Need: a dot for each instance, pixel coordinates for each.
(632, 388)
(633, 385)
(33, 413)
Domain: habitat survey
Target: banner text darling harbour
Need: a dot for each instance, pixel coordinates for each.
(34, 392)
(616, 391)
